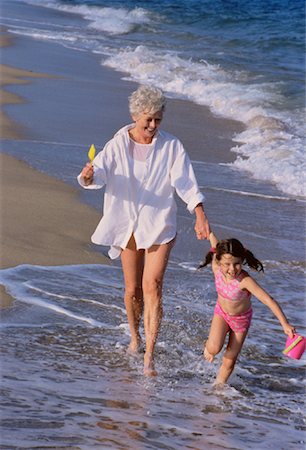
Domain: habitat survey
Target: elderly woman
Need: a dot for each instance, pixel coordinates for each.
(142, 167)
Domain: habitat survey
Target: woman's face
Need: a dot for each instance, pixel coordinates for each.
(146, 124)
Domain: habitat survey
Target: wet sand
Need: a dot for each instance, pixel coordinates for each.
(42, 221)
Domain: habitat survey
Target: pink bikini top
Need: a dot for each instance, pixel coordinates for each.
(231, 290)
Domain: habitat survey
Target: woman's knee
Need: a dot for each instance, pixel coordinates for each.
(152, 288)
(133, 291)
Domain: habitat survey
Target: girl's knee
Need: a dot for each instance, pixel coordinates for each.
(213, 348)
(229, 361)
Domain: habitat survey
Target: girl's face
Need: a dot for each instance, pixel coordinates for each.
(231, 266)
(147, 124)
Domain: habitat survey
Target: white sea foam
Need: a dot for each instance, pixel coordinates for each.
(114, 21)
(248, 194)
(57, 36)
(22, 282)
(99, 304)
(271, 148)
(57, 309)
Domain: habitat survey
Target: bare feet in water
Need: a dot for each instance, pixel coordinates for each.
(219, 385)
(208, 356)
(148, 367)
(135, 347)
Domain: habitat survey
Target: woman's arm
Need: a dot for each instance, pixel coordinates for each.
(252, 286)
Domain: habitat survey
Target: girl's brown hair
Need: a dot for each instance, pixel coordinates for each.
(235, 248)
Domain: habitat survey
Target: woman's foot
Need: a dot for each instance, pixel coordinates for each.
(148, 367)
(208, 356)
(135, 347)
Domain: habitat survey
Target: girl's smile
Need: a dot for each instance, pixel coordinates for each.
(231, 266)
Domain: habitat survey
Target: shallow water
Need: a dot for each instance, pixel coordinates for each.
(67, 380)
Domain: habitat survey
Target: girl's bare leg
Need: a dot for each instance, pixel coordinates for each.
(156, 260)
(216, 338)
(132, 264)
(231, 354)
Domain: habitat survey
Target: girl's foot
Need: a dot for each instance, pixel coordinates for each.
(208, 356)
(219, 385)
(148, 367)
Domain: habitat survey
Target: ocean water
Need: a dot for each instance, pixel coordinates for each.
(66, 379)
(244, 60)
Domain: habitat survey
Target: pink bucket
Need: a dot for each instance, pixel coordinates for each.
(295, 346)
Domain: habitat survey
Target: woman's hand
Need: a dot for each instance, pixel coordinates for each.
(87, 174)
(201, 227)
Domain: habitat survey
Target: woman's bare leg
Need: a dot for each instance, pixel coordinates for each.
(132, 264)
(231, 354)
(156, 260)
(216, 338)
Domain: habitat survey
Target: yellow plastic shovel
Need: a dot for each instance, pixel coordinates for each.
(91, 152)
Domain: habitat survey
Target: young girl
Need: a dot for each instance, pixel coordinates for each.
(233, 311)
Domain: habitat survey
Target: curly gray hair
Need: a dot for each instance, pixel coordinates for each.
(146, 99)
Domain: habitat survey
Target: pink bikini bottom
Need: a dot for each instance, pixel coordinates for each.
(238, 323)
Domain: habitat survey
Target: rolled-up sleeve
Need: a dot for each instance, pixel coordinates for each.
(184, 181)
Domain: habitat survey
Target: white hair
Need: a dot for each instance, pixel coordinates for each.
(146, 99)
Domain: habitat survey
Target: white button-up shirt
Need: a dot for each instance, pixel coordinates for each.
(148, 211)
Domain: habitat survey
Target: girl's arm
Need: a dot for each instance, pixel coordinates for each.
(252, 286)
(213, 243)
(213, 240)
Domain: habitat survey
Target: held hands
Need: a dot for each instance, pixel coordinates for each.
(87, 174)
(201, 228)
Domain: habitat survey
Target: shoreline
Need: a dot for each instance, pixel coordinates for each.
(10, 129)
(36, 225)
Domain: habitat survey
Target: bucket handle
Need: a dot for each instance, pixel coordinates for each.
(293, 344)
